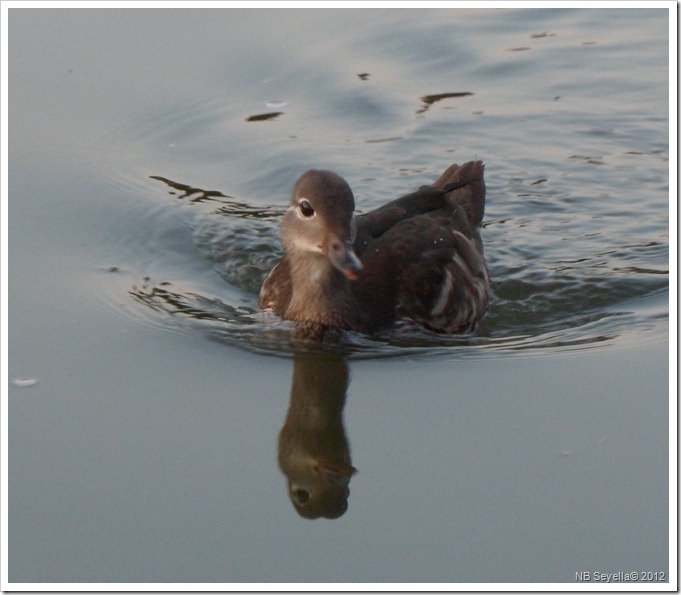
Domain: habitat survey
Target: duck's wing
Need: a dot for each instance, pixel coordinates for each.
(429, 272)
(458, 187)
(374, 224)
(424, 261)
(276, 290)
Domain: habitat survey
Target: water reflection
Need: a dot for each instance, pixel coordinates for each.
(313, 449)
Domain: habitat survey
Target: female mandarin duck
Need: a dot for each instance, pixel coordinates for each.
(417, 258)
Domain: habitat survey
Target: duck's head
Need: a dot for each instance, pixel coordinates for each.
(320, 220)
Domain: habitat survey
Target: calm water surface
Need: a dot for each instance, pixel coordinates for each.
(175, 434)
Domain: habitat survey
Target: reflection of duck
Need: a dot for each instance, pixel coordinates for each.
(419, 257)
(313, 450)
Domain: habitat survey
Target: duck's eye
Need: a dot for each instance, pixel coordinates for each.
(301, 495)
(306, 209)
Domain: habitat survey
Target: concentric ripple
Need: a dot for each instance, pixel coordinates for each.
(545, 300)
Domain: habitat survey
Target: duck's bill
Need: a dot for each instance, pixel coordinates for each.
(343, 257)
(335, 472)
(351, 268)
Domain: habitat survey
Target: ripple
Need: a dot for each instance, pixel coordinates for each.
(243, 326)
(553, 294)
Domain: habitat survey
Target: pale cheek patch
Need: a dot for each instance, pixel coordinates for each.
(307, 245)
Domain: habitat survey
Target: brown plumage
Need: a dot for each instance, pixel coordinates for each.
(418, 258)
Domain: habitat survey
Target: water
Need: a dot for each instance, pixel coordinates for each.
(147, 182)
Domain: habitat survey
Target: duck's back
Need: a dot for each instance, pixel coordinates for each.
(423, 257)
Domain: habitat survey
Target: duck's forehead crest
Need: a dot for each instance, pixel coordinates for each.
(323, 186)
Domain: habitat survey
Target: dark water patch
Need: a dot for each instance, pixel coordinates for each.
(264, 117)
(228, 206)
(542, 35)
(389, 139)
(187, 191)
(429, 100)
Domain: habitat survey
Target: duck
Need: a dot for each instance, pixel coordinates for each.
(417, 259)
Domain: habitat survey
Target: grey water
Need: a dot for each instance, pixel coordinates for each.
(161, 429)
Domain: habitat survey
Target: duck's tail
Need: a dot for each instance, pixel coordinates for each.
(465, 185)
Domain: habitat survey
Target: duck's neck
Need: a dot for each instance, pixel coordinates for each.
(321, 295)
